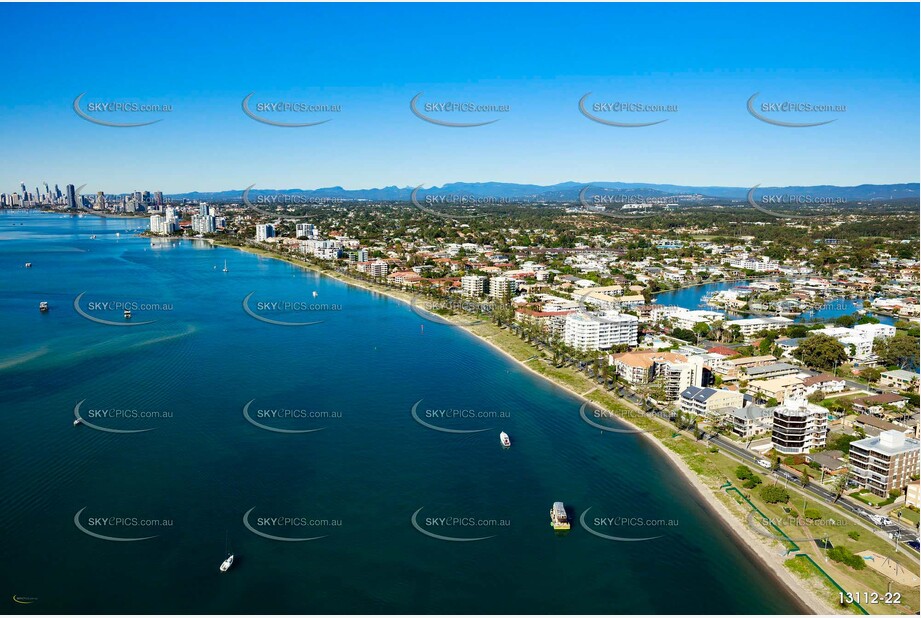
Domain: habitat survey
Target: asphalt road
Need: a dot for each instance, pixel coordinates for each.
(905, 533)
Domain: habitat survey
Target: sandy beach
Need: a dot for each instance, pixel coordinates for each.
(754, 545)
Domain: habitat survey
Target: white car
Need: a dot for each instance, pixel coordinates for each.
(764, 463)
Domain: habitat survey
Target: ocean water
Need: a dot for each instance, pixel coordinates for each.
(353, 485)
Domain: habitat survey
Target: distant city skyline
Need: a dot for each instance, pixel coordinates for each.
(699, 66)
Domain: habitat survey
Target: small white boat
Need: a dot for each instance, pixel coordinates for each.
(558, 517)
(503, 437)
(77, 421)
(315, 294)
(28, 264)
(127, 314)
(225, 566)
(43, 306)
(93, 237)
(225, 266)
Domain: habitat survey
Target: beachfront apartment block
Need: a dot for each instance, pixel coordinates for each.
(779, 389)
(899, 379)
(885, 462)
(675, 377)
(798, 426)
(376, 269)
(264, 231)
(640, 367)
(473, 285)
(601, 331)
(306, 230)
(502, 288)
(706, 401)
(163, 225)
(750, 421)
(750, 326)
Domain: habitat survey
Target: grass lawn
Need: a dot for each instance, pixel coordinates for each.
(908, 515)
(867, 498)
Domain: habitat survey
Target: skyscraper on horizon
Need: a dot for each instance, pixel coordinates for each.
(71, 197)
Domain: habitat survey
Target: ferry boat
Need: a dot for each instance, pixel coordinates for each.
(127, 314)
(43, 306)
(503, 437)
(225, 566)
(558, 518)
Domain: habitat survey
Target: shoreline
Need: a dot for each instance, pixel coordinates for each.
(747, 541)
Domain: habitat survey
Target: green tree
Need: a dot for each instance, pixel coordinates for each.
(773, 494)
(821, 351)
(900, 350)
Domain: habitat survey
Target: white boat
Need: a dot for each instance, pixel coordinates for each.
(315, 294)
(503, 437)
(43, 306)
(28, 264)
(127, 314)
(558, 517)
(225, 266)
(77, 421)
(225, 566)
(93, 237)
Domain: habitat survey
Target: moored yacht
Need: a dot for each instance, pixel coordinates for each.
(225, 566)
(43, 306)
(503, 437)
(127, 314)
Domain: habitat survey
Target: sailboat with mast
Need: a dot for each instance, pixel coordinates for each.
(228, 562)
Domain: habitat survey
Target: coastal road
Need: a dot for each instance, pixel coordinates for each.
(904, 533)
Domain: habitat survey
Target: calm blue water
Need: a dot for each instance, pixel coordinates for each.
(356, 483)
(690, 298)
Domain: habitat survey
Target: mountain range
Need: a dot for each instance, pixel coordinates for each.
(569, 191)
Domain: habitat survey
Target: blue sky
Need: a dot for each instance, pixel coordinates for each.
(539, 60)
